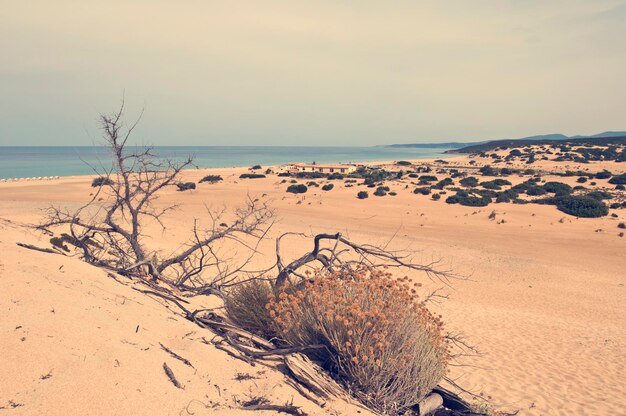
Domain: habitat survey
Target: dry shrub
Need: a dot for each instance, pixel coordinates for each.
(381, 341)
(246, 306)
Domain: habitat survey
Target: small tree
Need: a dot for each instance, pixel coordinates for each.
(111, 233)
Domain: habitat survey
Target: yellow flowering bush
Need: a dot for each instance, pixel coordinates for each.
(381, 341)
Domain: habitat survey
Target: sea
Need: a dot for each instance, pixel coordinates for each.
(28, 162)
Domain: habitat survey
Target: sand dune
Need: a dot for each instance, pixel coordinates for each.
(544, 302)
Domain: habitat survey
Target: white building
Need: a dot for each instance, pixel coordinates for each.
(317, 167)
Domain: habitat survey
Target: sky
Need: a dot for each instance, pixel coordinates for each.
(341, 72)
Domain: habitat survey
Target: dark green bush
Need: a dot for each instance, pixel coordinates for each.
(582, 179)
(488, 171)
(436, 197)
(310, 175)
(618, 179)
(381, 191)
(251, 176)
(328, 187)
(620, 187)
(427, 178)
(469, 182)
(599, 195)
(403, 163)
(582, 206)
(507, 196)
(362, 195)
(605, 174)
(297, 189)
(495, 184)
(255, 167)
(470, 200)
(535, 191)
(557, 188)
(422, 191)
(210, 179)
(185, 186)
(335, 175)
(101, 181)
(443, 183)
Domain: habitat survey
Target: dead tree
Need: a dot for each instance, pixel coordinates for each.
(110, 234)
(342, 253)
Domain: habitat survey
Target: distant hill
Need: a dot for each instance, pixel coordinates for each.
(457, 146)
(513, 143)
(605, 134)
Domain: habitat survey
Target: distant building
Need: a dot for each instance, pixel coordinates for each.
(315, 167)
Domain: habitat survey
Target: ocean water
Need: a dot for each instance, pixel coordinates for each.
(26, 162)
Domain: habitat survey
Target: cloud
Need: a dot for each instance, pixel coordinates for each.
(295, 72)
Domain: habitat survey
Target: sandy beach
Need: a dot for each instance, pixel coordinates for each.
(541, 296)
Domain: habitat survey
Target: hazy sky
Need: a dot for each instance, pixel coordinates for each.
(290, 72)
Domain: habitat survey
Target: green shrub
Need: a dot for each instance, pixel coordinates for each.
(380, 340)
(246, 305)
(470, 200)
(335, 176)
(251, 176)
(582, 179)
(605, 174)
(403, 163)
(620, 187)
(618, 179)
(599, 195)
(495, 184)
(535, 191)
(297, 189)
(255, 167)
(582, 206)
(185, 186)
(443, 183)
(621, 225)
(488, 171)
(422, 191)
(469, 182)
(557, 188)
(101, 181)
(328, 187)
(427, 178)
(362, 195)
(507, 196)
(381, 191)
(210, 179)
(436, 197)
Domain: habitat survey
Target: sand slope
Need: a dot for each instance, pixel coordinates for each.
(545, 303)
(76, 341)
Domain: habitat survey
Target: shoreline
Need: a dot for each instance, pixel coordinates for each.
(361, 162)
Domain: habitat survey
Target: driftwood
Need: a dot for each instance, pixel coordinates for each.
(42, 249)
(313, 377)
(452, 401)
(429, 404)
(286, 408)
(171, 376)
(178, 357)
